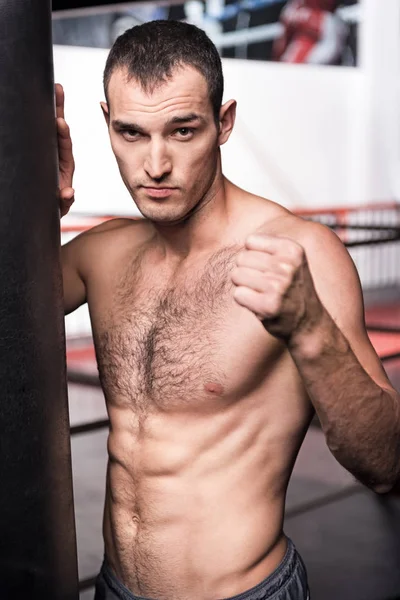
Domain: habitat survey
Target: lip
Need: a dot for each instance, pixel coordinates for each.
(159, 192)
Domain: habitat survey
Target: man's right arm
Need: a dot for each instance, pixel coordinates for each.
(73, 283)
(74, 287)
(82, 259)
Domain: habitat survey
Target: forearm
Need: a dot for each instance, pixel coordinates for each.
(361, 420)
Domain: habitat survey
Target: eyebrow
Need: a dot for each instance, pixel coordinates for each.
(190, 118)
(122, 126)
(178, 120)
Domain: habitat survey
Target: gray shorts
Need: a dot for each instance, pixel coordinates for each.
(287, 582)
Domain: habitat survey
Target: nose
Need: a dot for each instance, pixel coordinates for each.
(157, 163)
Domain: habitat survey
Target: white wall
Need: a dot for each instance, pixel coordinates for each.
(297, 132)
(380, 64)
(98, 186)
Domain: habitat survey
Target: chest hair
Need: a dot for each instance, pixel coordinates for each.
(160, 343)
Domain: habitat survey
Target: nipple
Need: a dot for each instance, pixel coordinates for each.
(214, 388)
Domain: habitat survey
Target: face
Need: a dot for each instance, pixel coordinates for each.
(167, 143)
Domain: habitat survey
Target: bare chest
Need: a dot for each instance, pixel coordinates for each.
(173, 344)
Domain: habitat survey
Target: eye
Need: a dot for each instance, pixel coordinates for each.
(184, 132)
(130, 134)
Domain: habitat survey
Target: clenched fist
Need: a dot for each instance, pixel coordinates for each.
(273, 281)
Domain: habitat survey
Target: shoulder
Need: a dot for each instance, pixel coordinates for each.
(322, 246)
(115, 227)
(119, 228)
(319, 242)
(334, 273)
(254, 213)
(106, 242)
(261, 215)
(332, 268)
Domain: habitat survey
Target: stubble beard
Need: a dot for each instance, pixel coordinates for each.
(165, 214)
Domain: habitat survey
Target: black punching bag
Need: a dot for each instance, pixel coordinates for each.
(37, 531)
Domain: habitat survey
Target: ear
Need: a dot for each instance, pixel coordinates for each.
(227, 118)
(106, 112)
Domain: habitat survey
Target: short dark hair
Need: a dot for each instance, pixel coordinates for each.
(152, 51)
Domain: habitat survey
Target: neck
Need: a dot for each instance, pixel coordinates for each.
(201, 229)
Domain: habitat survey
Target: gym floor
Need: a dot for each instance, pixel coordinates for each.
(348, 536)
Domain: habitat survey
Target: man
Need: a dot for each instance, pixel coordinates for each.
(221, 322)
(312, 33)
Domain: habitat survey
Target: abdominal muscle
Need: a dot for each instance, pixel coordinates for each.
(195, 498)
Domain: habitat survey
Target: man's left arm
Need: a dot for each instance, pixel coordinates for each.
(309, 295)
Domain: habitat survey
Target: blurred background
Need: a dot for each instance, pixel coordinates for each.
(318, 131)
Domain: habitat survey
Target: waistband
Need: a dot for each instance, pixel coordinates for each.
(272, 584)
(277, 580)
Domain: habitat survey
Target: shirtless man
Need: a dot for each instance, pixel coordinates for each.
(221, 321)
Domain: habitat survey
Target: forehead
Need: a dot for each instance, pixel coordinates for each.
(186, 90)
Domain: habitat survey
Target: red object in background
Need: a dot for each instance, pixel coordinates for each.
(385, 343)
(81, 358)
(312, 33)
(328, 5)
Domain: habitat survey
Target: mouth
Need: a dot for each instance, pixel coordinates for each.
(160, 192)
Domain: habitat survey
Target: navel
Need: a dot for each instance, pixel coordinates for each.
(135, 519)
(214, 388)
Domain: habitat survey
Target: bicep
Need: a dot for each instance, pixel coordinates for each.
(77, 258)
(339, 289)
(73, 284)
